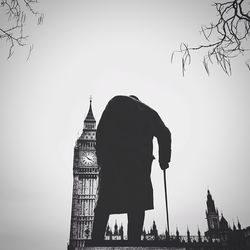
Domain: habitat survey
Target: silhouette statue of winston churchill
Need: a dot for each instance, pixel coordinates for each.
(124, 145)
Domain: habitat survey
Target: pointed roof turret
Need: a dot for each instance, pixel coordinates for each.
(188, 235)
(121, 232)
(90, 116)
(107, 230)
(234, 227)
(177, 234)
(239, 225)
(144, 234)
(89, 122)
(116, 228)
(199, 235)
(154, 230)
(210, 203)
(223, 223)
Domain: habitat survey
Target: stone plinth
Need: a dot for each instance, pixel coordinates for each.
(147, 245)
(126, 245)
(134, 248)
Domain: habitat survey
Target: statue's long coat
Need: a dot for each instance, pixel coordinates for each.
(124, 152)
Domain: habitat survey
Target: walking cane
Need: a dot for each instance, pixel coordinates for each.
(166, 199)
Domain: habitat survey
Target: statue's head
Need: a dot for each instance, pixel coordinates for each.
(134, 97)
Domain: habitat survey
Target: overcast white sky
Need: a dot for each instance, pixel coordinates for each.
(105, 48)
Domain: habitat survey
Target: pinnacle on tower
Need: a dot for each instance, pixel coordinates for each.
(223, 223)
(90, 122)
(212, 217)
(210, 203)
(188, 235)
(116, 228)
(121, 232)
(144, 234)
(239, 225)
(90, 116)
(199, 235)
(107, 230)
(177, 233)
(154, 230)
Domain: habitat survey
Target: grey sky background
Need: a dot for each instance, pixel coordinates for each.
(105, 48)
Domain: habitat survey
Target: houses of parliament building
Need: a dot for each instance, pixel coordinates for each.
(85, 183)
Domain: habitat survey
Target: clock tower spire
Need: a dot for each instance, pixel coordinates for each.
(85, 179)
(90, 117)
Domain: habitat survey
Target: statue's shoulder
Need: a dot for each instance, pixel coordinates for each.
(120, 101)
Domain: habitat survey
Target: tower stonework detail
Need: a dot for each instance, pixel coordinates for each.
(212, 214)
(85, 180)
(212, 217)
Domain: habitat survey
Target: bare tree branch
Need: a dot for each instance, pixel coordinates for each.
(13, 31)
(225, 39)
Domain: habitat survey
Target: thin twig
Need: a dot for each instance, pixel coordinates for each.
(16, 18)
(224, 38)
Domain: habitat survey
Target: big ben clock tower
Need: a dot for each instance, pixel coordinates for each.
(85, 179)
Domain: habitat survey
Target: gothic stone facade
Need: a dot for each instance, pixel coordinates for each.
(85, 180)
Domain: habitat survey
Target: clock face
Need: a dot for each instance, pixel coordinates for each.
(88, 158)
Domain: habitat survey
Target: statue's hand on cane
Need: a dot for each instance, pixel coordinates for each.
(164, 165)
